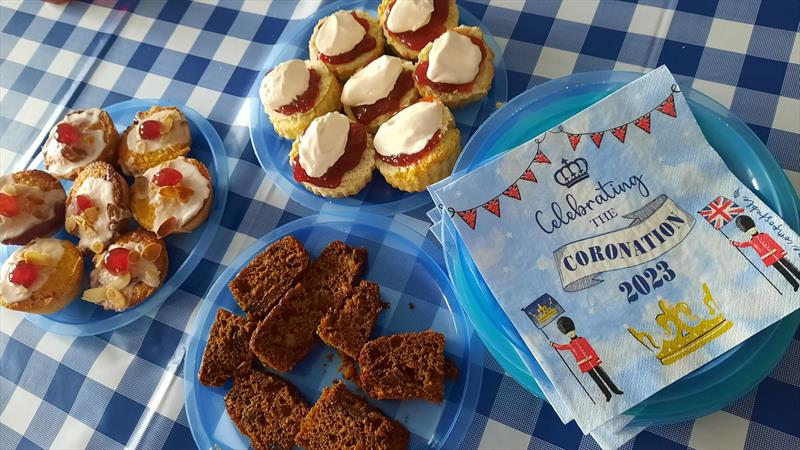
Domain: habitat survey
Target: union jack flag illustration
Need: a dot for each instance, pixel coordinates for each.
(721, 211)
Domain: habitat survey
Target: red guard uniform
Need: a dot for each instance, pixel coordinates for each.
(582, 351)
(768, 250)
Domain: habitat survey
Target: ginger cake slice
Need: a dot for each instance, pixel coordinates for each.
(288, 332)
(265, 279)
(349, 326)
(404, 366)
(228, 351)
(341, 419)
(267, 409)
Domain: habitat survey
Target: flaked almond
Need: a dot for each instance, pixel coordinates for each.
(71, 224)
(38, 258)
(119, 281)
(166, 125)
(168, 192)
(12, 189)
(167, 227)
(97, 247)
(184, 193)
(88, 139)
(72, 154)
(91, 214)
(151, 251)
(116, 298)
(133, 257)
(95, 295)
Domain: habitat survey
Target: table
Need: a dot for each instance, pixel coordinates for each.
(125, 388)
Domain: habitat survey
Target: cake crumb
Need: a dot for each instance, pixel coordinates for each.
(411, 305)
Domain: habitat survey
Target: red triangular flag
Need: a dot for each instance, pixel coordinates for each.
(541, 158)
(469, 216)
(643, 123)
(619, 132)
(668, 106)
(597, 138)
(513, 192)
(573, 140)
(493, 206)
(528, 176)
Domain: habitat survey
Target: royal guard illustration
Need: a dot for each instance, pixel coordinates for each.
(586, 357)
(770, 252)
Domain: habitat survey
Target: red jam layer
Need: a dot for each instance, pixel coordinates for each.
(305, 101)
(406, 160)
(421, 74)
(391, 103)
(417, 40)
(367, 44)
(356, 143)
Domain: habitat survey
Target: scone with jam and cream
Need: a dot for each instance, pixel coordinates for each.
(409, 25)
(379, 90)
(334, 157)
(81, 138)
(98, 207)
(156, 135)
(296, 92)
(172, 197)
(31, 205)
(418, 146)
(346, 41)
(457, 68)
(42, 277)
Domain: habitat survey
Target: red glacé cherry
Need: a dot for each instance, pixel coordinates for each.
(24, 274)
(8, 205)
(116, 260)
(167, 177)
(83, 203)
(66, 134)
(150, 129)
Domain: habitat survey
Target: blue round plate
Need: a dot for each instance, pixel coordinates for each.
(409, 269)
(82, 318)
(710, 387)
(377, 197)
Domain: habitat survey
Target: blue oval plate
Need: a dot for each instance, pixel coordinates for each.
(409, 269)
(377, 197)
(710, 387)
(82, 318)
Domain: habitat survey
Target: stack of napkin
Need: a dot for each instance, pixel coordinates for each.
(623, 250)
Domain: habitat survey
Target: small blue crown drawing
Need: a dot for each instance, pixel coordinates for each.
(572, 173)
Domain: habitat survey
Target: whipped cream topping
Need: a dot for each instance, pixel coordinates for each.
(373, 82)
(283, 84)
(87, 149)
(145, 271)
(323, 143)
(409, 15)
(173, 207)
(177, 134)
(453, 59)
(11, 227)
(101, 192)
(409, 131)
(13, 293)
(339, 33)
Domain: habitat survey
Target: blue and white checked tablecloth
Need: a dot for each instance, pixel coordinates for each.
(125, 388)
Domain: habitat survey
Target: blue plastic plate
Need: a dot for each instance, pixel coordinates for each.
(82, 318)
(409, 269)
(710, 387)
(377, 197)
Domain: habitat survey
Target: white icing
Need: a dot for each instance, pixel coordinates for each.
(339, 33)
(373, 82)
(454, 59)
(177, 135)
(283, 84)
(145, 271)
(323, 143)
(409, 131)
(13, 293)
(409, 15)
(101, 192)
(91, 141)
(11, 227)
(172, 207)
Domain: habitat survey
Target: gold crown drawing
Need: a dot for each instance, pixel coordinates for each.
(682, 338)
(544, 312)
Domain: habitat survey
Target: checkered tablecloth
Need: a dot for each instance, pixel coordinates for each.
(125, 388)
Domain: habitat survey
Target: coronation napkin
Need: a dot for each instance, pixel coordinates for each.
(623, 250)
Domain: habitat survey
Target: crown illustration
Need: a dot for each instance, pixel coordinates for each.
(683, 338)
(544, 313)
(572, 173)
